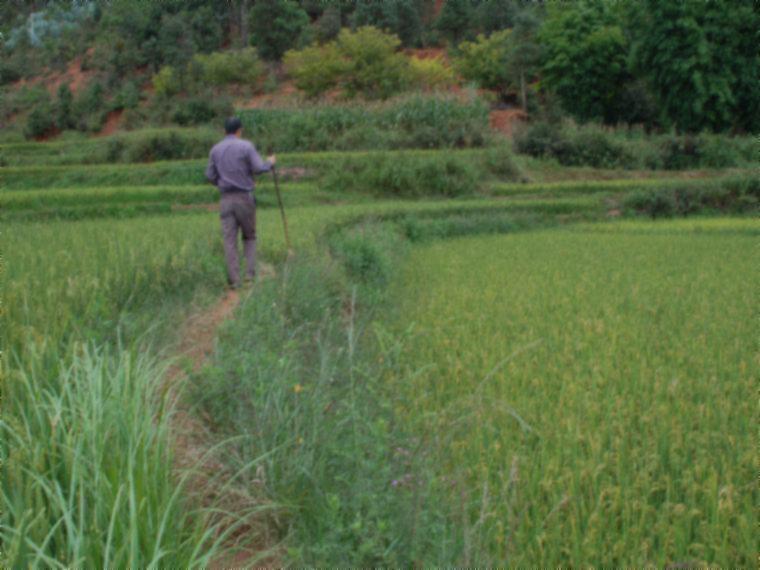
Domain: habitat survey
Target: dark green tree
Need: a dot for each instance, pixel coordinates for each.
(456, 21)
(494, 15)
(400, 17)
(276, 26)
(64, 116)
(701, 60)
(327, 27)
(585, 58)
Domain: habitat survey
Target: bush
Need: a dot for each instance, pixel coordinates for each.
(90, 108)
(593, 147)
(430, 73)
(201, 110)
(485, 61)
(541, 139)
(376, 69)
(364, 62)
(739, 195)
(225, 67)
(315, 69)
(160, 145)
(680, 152)
(128, 97)
(64, 113)
(40, 121)
(166, 82)
(498, 161)
(8, 73)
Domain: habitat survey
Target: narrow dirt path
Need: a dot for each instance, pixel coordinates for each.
(193, 440)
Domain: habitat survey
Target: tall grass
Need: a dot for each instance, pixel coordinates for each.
(417, 121)
(87, 469)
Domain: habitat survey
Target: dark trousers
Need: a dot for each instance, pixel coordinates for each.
(238, 213)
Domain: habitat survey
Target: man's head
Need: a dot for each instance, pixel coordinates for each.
(233, 126)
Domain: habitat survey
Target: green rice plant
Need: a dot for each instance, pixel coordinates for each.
(592, 385)
(131, 201)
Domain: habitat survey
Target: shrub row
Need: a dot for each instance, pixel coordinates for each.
(734, 195)
(592, 146)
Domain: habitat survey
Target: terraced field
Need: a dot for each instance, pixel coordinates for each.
(617, 424)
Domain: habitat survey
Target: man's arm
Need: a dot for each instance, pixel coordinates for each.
(258, 165)
(212, 174)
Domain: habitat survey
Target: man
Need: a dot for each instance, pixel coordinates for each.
(232, 164)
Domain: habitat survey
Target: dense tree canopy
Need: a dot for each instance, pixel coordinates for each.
(685, 64)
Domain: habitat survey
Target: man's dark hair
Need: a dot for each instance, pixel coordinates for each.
(232, 125)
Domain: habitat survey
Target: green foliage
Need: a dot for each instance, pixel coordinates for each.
(64, 115)
(327, 27)
(128, 96)
(430, 74)
(90, 108)
(201, 109)
(456, 19)
(375, 69)
(8, 73)
(702, 62)
(584, 62)
(236, 66)
(485, 61)
(739, 195)
(364, 62)
(601, 148)
(367, 252)
(405, 176)
(276, 26)
(40, 121)
(164, 144)
(400, 17)
(495, 15)
(315, 69)
(415, 121)
(166, 82)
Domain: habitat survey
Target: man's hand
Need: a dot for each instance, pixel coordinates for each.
(272, 159)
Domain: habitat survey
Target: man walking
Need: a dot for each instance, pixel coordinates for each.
(232, 164)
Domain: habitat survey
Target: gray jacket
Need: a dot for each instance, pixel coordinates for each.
(232, 164)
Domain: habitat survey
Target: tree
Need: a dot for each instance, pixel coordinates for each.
(522, 65)
(362, 62)
(375, 69)
(585, 56)
(485, 60)
(64, 117)
(494, 15)
(455, 21)
(401, 17)
(276, 26)
(702, 61)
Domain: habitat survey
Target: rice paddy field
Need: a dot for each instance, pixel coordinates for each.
(593, 387)
(498, 362)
